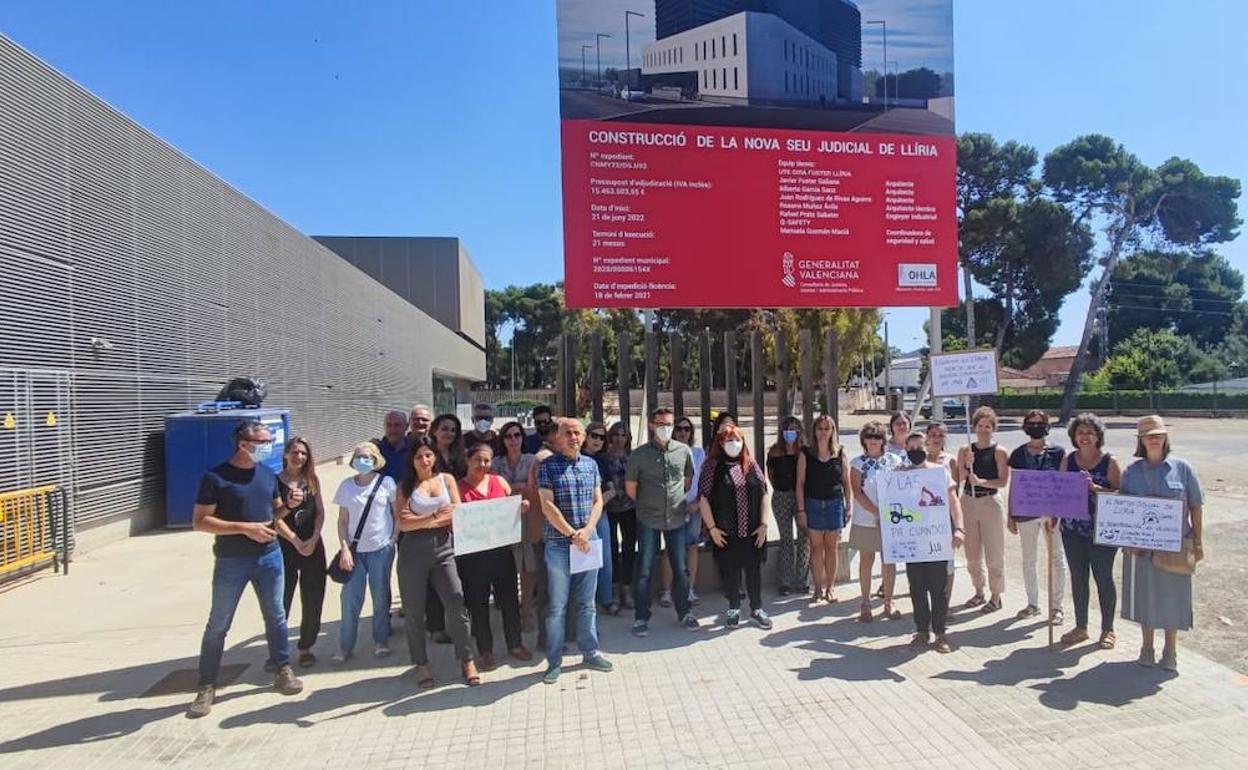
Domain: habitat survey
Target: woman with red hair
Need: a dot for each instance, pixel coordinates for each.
(731, 488)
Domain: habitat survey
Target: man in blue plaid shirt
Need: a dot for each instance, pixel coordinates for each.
(570, 487)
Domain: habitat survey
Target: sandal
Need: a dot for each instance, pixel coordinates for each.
(942, 644)
(1074, 636)
(891, 614)
(919, 641)
(829, 597)
(992, 605)
(424, 677)
(1108, 640)
(879, 592)
(306, 659)
(471, 677)
(974, 601)
(1029, 611)
(1057, 618)
(864, 614)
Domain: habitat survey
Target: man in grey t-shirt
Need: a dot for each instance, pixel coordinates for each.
(658, 478)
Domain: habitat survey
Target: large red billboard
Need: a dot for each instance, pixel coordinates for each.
(716, 156)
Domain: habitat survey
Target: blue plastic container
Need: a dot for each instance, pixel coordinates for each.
(197, 441)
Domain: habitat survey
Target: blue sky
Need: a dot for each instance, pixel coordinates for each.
(426, 118)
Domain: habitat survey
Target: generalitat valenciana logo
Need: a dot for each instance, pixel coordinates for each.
(786, 264)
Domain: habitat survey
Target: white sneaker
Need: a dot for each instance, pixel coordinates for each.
(694, 599)
(665, 599)
(338, 658)
(381, 651)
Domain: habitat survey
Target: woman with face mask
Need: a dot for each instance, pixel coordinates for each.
(731, 492)
(425, 502)
(782, 472)
(1038, 455)
(367, 549)
(823, 499)
(865, 535)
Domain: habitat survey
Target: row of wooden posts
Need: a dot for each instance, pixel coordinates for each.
(567, 383)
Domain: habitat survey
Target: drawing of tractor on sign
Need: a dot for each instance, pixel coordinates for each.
(898, 514)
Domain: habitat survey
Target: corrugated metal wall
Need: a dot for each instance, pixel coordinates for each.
(152, 282)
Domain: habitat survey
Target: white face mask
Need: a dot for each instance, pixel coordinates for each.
(733, 447)
(663, 433)
(483, 426)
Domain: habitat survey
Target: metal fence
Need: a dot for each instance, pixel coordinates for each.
(34, 529)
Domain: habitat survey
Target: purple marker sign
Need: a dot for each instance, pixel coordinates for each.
(1049, 493)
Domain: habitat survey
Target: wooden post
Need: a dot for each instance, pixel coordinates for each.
(677, 369)
(652, 374)
(595, 375)
(806, 360)
(704, 385)
(782, 374)
(730, 372)
(561, 407)
(832, 372)
(569, 383)
(756, 385)
(623, 367)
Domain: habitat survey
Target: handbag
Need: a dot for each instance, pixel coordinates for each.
(336, 572)
(1181, 562)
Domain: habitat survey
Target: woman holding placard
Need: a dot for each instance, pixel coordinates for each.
(934, 442)
(1156, 585)
(823, 497)
(424, 506)
(1038, 455)
(1083, 554)
(864, 537)
(494, 569)
(927, 579)
(984, 470)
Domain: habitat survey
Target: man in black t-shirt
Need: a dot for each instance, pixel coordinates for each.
(236, 503)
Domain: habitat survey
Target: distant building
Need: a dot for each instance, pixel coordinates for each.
(903, 373)
(1054, 366)
(1008, 377)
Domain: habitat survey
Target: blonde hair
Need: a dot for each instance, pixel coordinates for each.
(370, 449)
(834, 441)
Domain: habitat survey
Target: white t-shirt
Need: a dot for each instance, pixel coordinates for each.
(871, 468)
(379, 529)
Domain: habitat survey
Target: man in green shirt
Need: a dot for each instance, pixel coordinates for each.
(658, 478)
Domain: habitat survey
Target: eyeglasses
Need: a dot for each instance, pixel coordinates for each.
(599, 436)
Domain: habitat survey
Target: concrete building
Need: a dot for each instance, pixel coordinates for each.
(1054, 366)
(135, 284)
(834, 25)
(746, 58)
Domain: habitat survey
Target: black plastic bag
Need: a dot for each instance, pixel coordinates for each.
(249, 391)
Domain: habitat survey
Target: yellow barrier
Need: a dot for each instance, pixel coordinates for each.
(33, 529)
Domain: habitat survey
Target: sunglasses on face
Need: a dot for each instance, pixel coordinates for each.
(686, 428)
(514, 434)
(598, 436)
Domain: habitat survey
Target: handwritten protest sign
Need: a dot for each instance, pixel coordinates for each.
(968, 373)
(1049, 493)
(485, 524)
(914, 515)
(1151, 523)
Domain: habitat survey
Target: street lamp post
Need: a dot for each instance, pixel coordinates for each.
(884, 27)
(584, 75)
(598, 44)
(628, 61)
(896, 79)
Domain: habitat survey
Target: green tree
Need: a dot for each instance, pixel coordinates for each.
(1175, 203)
(1151, 359)
(1195, 294)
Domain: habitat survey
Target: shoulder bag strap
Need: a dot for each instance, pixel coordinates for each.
(359, 528)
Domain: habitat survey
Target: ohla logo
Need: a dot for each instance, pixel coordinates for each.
(786, 265)
(922, 275)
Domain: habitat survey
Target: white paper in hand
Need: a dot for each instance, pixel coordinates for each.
(585, 561)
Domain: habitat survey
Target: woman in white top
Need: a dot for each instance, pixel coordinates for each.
(367, 552)
(864, 537)
(425, 502)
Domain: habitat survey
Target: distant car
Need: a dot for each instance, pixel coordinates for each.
(953, 408)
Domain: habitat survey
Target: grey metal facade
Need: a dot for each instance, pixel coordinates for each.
(148, 282)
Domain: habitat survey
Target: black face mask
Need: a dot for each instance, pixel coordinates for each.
(916, 456)
(1036, 431)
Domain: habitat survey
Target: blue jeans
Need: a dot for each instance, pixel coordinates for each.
(605, 589)
(372, 571)
(230, 576)
(647, 551)
(565, 588)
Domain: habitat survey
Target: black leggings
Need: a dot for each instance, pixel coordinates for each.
(308, 573)
(739, 555)
(927, 594)
(1083, 555)
(623, 545)
(480, 572)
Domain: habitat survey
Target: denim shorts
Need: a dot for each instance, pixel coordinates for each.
(825, 515)
(693, 531)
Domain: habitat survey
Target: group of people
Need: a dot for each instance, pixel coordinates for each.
(579, 484)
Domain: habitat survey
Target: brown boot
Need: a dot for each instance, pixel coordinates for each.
(203, 702)
(286, 682)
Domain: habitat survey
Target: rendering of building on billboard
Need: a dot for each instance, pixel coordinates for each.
(757, 51)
